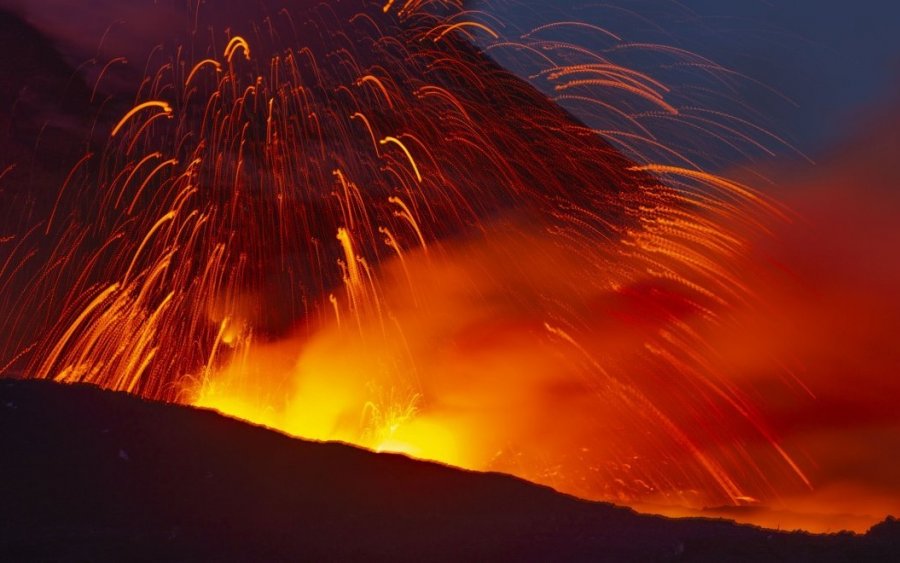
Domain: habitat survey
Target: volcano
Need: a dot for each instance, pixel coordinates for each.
(348, 222)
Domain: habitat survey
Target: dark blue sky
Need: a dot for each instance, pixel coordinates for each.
(837, 60)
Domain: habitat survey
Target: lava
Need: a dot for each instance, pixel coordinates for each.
(347, 223)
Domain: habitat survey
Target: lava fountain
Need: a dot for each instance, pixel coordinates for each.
(345, 222)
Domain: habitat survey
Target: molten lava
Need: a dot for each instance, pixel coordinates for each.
(346, 223)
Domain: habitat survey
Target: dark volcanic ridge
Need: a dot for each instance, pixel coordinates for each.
(92, 475)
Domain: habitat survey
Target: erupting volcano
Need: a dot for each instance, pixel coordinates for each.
(349, 221)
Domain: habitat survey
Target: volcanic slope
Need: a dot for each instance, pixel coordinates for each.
(92, 475)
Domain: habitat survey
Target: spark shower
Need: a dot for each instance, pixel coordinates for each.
(346, 222)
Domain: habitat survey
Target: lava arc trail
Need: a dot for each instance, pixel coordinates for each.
(344, 221)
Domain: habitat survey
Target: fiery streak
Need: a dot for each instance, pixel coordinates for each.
(381, 87)
(163, 106)
(460, 25)
(205, 62)
(235, 44)
(58, 349)
(62, 190)
(120, 60)
(405, 150)
(7, 170)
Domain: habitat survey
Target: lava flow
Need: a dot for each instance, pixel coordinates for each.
(346, 222)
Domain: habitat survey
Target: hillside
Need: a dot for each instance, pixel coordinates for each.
(91, 475)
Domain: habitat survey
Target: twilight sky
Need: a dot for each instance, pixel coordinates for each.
(833, 58)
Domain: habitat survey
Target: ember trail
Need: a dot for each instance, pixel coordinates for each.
(348, 223)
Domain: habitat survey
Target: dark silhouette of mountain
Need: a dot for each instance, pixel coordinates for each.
(92, 475)
(45, 109)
